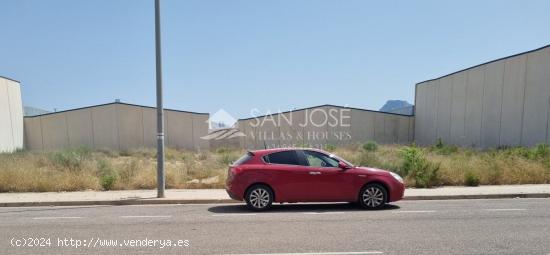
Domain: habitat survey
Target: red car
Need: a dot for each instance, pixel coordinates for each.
(308, 175)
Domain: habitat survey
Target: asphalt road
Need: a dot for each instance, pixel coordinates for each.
(503, 226)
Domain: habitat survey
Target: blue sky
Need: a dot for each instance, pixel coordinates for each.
(241, 55)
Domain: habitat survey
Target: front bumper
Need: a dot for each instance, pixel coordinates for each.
(397, 192)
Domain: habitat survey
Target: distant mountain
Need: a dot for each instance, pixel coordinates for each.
(218, 125)
(397, 106)
(33, 111)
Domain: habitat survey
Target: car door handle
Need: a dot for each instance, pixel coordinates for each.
(314, 173)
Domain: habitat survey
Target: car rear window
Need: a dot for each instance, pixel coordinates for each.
(283, 157)
(243, 159)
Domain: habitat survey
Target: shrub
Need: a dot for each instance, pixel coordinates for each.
(412, 159)
(443, 149)
(417, 167)
(227, 158)
(103, 166)
(439, 144)
(109, 153)
(493, 172)
(541, 151)
(471, 179)
(330, 147)
(71, 159)
(125, 153)
(367, 159)
(108, 181)
(202, 156)
(302, 145)
(370, 146)
(107, 176)
(427, 176)
(128, 171)
(172, 154)
(222, 150)
(518, 151)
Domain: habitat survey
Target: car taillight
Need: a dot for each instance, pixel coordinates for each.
(231, 173)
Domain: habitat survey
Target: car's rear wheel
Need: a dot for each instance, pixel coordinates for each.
(259, 197)
(373, 196)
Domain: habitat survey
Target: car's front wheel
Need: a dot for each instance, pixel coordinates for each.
(259, 197)
(373, 196)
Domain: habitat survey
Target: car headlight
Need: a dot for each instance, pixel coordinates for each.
(397, 177)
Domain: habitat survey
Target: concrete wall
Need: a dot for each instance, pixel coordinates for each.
(505, 102)
(319, 126)
(115, 126)
(11, 115)
(119, 126)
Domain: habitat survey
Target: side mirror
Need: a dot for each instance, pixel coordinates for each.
(343, 165)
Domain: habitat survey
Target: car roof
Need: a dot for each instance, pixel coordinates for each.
(272, 150)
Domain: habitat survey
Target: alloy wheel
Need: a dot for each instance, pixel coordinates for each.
(259, 198)
(373, 197)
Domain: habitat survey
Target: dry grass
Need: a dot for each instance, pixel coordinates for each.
(82, 169)
(503, 166)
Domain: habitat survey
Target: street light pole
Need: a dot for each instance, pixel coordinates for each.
(160, 111)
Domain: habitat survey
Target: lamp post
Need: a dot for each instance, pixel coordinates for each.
(160, 111)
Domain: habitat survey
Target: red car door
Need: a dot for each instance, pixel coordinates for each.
(329, 182)
(290, 178)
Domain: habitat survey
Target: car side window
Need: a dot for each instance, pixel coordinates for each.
(317, 159)
(282, 157)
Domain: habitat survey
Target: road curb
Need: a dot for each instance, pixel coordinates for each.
(221, 201)
(480, 196)
(120, 202)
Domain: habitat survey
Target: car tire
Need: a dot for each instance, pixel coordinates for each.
(373, 196)
(259, 197)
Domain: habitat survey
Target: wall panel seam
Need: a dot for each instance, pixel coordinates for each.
(67, 130)
(436, 122)
(501, 103)
(451, 110)
(143, 124)
(142, 129)
(523, 103)
(12, 145)
(481, 137)
(92, 128)
(41, 133)
(466, 82)
(117, 126)
(350, 122)
(195, 145)
(547, 119)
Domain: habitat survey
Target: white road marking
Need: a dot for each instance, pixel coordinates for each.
(146, 216)
(233, 214)
(53, 218)
(414, 212)
(318, 213)
(506, 209)
(317, 253)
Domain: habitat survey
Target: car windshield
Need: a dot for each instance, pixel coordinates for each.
(340, 159)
